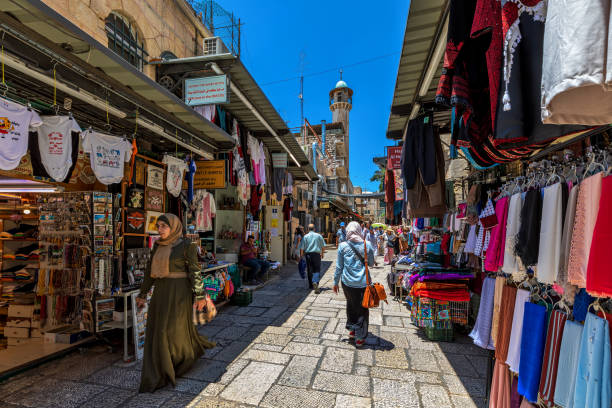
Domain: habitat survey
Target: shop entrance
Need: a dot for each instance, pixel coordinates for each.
(275, 224)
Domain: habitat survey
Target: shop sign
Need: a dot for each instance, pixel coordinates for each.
(324, 204)
(209, 174)
(394, 156)
(207, 90)
(279, 160)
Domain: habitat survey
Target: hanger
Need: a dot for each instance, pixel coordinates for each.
(597, 307)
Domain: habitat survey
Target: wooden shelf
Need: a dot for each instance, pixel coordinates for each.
(19, 239)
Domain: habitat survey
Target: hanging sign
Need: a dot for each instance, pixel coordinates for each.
(324, 204)
(206, 91)
(279, 160)
(394, 156)
(209, 174)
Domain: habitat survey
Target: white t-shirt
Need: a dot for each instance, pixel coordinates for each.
(55, 144)
(107, 155)
(176, 170)
(15, 121)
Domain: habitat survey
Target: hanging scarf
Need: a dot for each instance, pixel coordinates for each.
(160, 263)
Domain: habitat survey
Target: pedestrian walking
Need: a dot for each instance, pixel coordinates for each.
(350, 269)
(341, 234)
(299, 234)
(172, 343)
(312, 248)
(390, 242)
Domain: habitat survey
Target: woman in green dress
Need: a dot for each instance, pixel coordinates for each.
(172, 343)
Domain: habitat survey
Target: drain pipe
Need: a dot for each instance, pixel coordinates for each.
(314, 165)
(249, 105)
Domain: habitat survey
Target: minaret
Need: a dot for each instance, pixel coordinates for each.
(340, 103)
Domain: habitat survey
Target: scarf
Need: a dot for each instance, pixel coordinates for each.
(532, 351)
(551, 358)
(568, 364)
(482, 329)
(354, 233)
(160, 263)
(505, 322)
(514, 347)
(528, 238)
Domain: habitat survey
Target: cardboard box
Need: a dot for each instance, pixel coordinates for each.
(50, 335)
(13, 322)
(24, 311)
(15, 341)
(21, 332)
(71, 336)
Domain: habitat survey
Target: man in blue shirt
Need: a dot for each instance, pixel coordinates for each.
(341, 234)
(312, 247)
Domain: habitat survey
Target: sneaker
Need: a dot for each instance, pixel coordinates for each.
(359, 343)
(316, 288)
(352, 334)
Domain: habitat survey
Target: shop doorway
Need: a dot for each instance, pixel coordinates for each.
(275, 225)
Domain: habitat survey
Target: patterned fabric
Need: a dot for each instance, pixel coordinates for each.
(212, 286)
(551, 357)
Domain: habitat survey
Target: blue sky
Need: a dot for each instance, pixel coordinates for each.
(331, 34)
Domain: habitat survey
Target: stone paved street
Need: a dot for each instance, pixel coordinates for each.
(287, 349)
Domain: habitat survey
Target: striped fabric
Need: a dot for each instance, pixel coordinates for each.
(548, 379)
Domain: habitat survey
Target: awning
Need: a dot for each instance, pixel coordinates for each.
(83, 63)
(420, 64)
(207, 65)
(341, 205)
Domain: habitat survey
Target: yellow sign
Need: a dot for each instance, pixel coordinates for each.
(324, 204)
(274, 223)
(209, 174)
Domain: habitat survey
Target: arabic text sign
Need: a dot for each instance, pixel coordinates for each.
(205, 91)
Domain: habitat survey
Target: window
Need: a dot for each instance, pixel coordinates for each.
(123, 39)
(339, 98)
(167, 55)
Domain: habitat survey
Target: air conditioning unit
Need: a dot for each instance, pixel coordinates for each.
(214, 46)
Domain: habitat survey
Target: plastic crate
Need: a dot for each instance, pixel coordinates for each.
(242, 298)
(435, 334)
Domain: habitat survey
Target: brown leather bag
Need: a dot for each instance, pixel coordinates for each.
(374, 292)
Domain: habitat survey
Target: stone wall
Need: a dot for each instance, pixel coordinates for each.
(161, 24)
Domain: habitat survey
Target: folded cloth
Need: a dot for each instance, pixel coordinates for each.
(581, 305)
(454, 295)
(500, 386)
(482, 328)
(505, 323)
(593, 373)
(599, 271)
(532, 350)
(568, 364)
(500, 282)
(548, 379)
(587, 209)
(514, 347)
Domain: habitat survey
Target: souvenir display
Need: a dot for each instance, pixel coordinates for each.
(154, 200)
(135, 221)
(155, 177)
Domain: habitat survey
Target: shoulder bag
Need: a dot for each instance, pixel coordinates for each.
(374, 292)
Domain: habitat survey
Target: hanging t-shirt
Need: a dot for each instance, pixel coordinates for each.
(107, 155)
(191, 170)
(55, 145)
(15, 121)
(287, 208)
(205, 210)
(176, 170)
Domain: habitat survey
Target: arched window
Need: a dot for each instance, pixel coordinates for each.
(123, 39)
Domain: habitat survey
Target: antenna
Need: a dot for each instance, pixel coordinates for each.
(301, 96)
(341, 74)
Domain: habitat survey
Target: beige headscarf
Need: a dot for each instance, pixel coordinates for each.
(160, 264)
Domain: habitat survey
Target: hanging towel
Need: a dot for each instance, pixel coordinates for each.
(593, 373)
(505, 323)
(532, 350)
(568, 364)
(548, 379)
(549, 254)
(482, 329)
(511, 261)
(500, 282)
(599, 272)
(584, 223)
(495, 253)
(581, 305)
(500, 386)
(568, 229)
(514, 347)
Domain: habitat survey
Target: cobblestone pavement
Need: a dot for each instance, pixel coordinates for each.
(287, 349)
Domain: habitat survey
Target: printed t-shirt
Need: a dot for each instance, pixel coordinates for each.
(205, 210)
(107, 155)
(174, 178)
(15, 121)
(55, 145)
